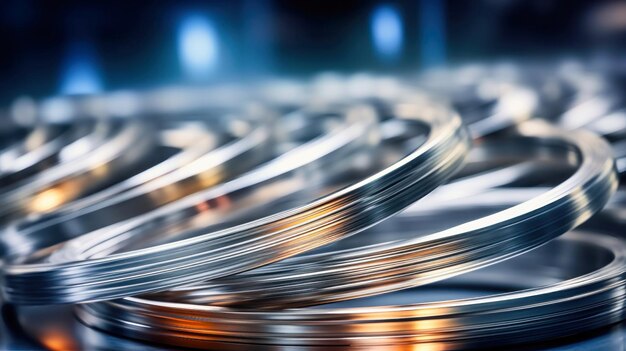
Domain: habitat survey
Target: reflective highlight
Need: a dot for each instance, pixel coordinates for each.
(81, 75)
(198, 49)
(387, 32)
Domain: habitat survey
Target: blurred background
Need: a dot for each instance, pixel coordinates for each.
(77, 47)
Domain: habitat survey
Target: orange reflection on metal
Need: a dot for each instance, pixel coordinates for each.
(202, 207)
(48, 199)
(431, 346)
(210, 177)
(57, 340)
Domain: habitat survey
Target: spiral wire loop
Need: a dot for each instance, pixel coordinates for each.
(285, 214)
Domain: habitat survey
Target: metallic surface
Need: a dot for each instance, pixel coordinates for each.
(106, 150)
(571, 285)
(209, 255)
(358, 268)
(221, 190)
(199, 164)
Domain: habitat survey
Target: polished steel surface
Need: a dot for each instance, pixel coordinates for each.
(204, 159)
(106, 274)
(490, 99)
(224, 217)
(356, 269)
(89, 161)
(573, 284)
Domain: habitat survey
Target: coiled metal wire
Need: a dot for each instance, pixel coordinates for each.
(198, 204)
(573, 284)
(242, 247)
(86, 162)
(356, 271)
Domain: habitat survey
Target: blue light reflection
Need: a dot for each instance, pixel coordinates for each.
(80, 74)
(387, 32)
(198, 48)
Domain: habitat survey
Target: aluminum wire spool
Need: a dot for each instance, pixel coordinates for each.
(571, 285)
(357, 270)
(300, 201)
(214, 254)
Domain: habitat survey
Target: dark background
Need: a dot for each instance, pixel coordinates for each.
(133, 44)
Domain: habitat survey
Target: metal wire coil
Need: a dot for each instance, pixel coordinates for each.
(591, 264)
(227, 252)
(355, 270)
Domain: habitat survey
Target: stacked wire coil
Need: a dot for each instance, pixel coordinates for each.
(190, 219)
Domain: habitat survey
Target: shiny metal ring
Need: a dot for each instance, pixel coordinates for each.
(197, 165)
(490, 99)
(355, 270)
(210, 255)
(32, 153)
(110, 149)
(596, 105)
(558, 260)
(47, 146)
(571, 285)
